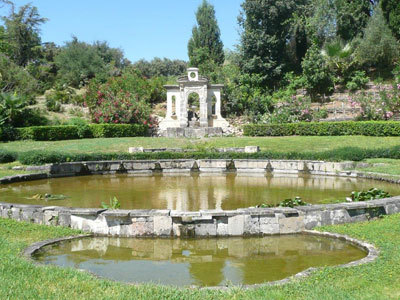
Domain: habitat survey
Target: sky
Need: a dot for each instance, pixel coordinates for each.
(141, 28)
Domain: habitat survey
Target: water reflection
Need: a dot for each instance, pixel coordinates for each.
(190, 192)
(203, 262)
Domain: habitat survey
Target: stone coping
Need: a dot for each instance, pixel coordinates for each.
(372, 254)
(203, 223)
(185, 166)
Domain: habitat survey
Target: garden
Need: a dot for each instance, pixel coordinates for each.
(313, 84)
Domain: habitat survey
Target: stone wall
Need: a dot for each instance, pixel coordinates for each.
(246, 221)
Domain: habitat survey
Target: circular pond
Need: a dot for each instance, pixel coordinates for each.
(201, 262)
(190, 192)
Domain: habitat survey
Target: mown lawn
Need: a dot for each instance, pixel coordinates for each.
(21, 279)
(6, 169)
(278, 144)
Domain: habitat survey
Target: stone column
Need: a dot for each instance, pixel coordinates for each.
(183, 118)
(169, 106)
(218, 104)
(203, 108)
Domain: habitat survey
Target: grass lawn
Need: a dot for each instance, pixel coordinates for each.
(21, 279)
(279, 144)
(383, 166)
(6, 169)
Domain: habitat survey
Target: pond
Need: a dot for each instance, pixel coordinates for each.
(201, 262)
(188, 192)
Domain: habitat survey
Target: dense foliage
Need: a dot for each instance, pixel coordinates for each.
(378, 48)
(291, 53)
(205, 47)
(79, 131)
(391, 10)
(40, 157)
(124, 100)
(263, 41)
(318, 77)
(371, 194)
(161, 67)
(389, 128)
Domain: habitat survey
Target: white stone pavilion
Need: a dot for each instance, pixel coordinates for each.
(199, 111)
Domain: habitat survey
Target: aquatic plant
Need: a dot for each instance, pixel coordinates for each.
(371, 194)
(297, 201)
(113, 204)
(47, 197)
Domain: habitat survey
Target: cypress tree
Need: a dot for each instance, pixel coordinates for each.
(205, 44)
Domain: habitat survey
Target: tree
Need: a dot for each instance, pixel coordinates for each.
(264, 38)
(161, 67)
(352, 17)
(318, 77)
(22, 32)
(14, 78)
(391, 11)
(78, 62)
(111, 56)
(205, 44)
(378, 48)
(330, 19)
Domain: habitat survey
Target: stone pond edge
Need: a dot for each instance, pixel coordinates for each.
(203, 223)
(372, 255)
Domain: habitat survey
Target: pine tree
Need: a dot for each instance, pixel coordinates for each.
(205, 45)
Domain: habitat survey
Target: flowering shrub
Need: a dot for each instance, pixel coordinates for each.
(123, 100)
(384, 107)
(293, 110)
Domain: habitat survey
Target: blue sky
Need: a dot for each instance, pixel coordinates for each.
(142, 28)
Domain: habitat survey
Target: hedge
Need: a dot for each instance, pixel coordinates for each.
(369, 128)
(35, 157)
(71, 132)
(7, 156)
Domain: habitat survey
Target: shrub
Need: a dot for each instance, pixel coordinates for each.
(318, 77)
(290, 110)
(83, 128)
(53, 105)
(388, 128)
(40, 157)
(117, 130)
(15, 78)
(122, 100)
(79, 130)
(61, 94)
(6, 156)
(358, 81)
(383, 108)
(48, 133)
(341, 154)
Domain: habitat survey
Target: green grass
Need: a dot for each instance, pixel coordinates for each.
(21, 279)
(280, 144)
(383, 166)
(6, 169)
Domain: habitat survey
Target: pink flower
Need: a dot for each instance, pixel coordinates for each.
(389, 114)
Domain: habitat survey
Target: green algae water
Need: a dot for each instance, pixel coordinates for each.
(201, 262)
(190, 192)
